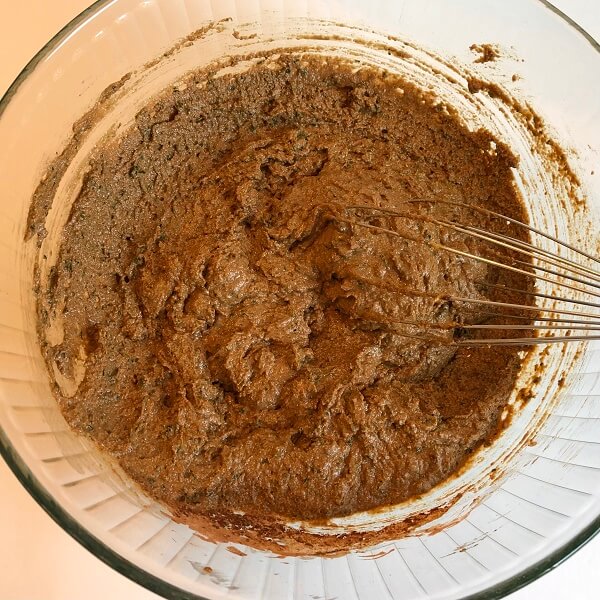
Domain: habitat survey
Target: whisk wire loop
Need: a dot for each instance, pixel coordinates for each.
(549, 322)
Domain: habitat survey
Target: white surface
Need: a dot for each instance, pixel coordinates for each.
(48, 564)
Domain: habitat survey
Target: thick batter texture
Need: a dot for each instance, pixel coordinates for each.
(217, 324)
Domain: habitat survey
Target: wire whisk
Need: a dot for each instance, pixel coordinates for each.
(560, 301)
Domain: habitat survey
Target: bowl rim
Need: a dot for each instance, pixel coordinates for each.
(146, 579)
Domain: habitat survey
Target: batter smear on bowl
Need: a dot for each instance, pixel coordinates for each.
(233, 341)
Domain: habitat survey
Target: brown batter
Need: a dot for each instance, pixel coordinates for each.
(233, 342)
(487, 52)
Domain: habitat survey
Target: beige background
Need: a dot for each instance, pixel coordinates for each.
(39, 561)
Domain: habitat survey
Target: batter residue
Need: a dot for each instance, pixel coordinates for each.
(237, 345)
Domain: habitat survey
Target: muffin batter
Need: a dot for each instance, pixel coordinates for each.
(216, 324)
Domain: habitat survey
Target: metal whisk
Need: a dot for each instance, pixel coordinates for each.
(576, 280)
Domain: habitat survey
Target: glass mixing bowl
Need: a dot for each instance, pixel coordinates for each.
(534, 512)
